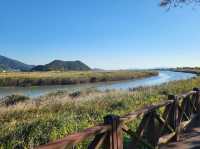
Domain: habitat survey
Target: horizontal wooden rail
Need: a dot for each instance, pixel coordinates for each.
(77, 137)
(131, 116)
(155, 127)
(186, 94)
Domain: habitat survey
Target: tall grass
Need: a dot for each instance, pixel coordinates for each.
(35, 122)
(68, 77)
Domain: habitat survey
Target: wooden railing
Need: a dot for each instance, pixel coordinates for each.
(159, 124)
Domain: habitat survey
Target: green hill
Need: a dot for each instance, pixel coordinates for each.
(11, 64)
(58, 65)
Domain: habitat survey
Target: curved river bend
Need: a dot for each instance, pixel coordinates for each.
(163, 77)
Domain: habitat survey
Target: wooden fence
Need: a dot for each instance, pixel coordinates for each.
(159, 124)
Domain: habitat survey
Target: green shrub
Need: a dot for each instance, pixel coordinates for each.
(13, 99)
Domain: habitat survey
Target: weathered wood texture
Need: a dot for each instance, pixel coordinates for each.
(159, 124)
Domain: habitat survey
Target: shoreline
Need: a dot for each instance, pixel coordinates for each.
(193, 71)
(37, 91)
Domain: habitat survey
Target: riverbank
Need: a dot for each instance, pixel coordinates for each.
(34, 122)
(187, 70)
(36, 91)
(69, 77)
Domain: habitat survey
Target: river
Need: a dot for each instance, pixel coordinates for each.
(163, 77)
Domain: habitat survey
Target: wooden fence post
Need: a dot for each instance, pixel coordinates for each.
(152, 130)
(197, 99)
(175, 117)
(114, 138)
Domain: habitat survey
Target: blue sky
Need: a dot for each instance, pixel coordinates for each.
(109, 34)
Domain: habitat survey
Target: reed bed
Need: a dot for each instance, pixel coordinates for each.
(68, 77)
(38, 121)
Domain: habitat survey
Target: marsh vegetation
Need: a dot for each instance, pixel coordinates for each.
(68, 77)
(31, 123)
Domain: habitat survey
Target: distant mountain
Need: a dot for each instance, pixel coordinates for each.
(62, 66)
(11, 64)
(97, 69)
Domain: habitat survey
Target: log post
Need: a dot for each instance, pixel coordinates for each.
(197, 100)
(114, 138)
(174, 117)
(188, 108)
(153, 130)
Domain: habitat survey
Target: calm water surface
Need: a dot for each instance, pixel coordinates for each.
(163, 77)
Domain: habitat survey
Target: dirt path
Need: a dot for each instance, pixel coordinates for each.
(190, 139)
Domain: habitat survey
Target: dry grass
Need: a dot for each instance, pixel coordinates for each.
(69, 77)
(34, 122)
